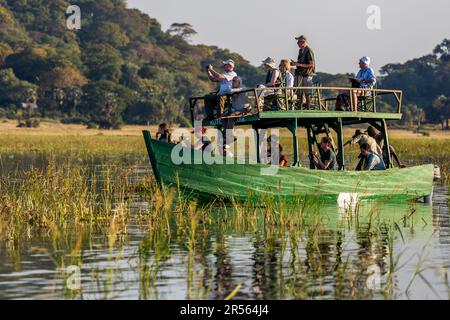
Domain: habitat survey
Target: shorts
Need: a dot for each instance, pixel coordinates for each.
(305, 82)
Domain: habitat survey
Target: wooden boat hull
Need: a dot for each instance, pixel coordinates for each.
(244, 181)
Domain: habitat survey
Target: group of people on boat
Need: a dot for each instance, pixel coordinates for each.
(372, 156)
(228, 106)
(281, 76)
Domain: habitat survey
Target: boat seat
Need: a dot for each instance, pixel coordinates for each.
(277, 101)
(367, 103)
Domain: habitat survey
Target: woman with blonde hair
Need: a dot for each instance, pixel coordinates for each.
(286, 78)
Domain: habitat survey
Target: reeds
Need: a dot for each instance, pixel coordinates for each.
(61, 197)
(91, 188)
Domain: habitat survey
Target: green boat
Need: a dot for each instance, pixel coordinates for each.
(243, 181)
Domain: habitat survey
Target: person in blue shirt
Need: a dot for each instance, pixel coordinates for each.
(373, 160)
(364, 79)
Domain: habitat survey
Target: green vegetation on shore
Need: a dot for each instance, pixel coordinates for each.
(121, 67)
(414, 150)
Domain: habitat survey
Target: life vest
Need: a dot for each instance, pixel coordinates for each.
(270, 75)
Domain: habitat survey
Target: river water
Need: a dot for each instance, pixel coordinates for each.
(402, 253)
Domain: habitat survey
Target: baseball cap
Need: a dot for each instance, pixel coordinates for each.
(229, 61)
(365, 59)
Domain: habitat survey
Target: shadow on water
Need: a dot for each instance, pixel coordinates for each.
(170, 249)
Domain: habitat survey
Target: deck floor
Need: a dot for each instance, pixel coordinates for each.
(309, 116)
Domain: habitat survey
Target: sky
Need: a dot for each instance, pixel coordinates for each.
(337, 30)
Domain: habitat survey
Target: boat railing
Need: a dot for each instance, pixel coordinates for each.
(323, 99)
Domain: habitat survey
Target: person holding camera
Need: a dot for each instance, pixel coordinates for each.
(326, 160)
(215, 103)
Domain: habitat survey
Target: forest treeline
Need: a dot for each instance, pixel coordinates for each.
(121, 67)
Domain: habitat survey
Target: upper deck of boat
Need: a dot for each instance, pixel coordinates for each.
(304, 117)
(322, 108)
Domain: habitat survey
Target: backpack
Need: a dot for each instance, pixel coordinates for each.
(343, 102)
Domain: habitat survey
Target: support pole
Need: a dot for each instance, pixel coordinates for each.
(294, 130)
(257, 144)
(340, 136)
(310, 146)
(387, 145)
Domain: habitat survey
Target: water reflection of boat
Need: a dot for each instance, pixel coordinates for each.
(241, 181)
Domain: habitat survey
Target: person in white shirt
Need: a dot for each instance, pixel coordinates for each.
(239, 100)
(219, 99)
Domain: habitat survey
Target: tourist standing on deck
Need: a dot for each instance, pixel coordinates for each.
(306, 67)
(215, 103)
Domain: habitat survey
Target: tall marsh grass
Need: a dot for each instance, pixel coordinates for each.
(82, 187)
(60, 197)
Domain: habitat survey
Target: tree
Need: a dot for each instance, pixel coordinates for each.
(5, 50)
(58, 88)
(104, 102)
(441, 107)
(120, 64)
(62, 77)
(413, 114)
(103, 62)
(105, 32)
(14, 91)
(443, 49)
(183, 30)
(30, 63)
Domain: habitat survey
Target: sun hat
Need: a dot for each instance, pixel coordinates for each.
(229, 61)
(365, 60)
(302, 38)
(357, 133)
(269, 62)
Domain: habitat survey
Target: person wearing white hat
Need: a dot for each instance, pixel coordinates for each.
(272, 78)
(272, 72)
(365, 79)
(225, 79)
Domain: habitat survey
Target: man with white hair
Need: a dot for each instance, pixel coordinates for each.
(225, 79)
